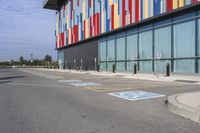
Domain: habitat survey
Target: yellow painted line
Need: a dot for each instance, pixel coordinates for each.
(108, 89)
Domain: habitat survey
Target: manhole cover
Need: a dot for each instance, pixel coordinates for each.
(186, 81)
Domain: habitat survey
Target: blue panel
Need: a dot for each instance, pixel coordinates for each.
(141, 9)
(156, 7)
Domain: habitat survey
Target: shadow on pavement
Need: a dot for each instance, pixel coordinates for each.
(12, 77)
(4, 82)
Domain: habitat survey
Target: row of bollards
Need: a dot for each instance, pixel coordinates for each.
(135, 70)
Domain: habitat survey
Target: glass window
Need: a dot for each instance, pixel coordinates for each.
(60, 59)
(160, 65)
(132, 47)
(163, 42)
(111, 50)
(102, 47)
(145, 45)
(184, 39)
(145, 66)
(120, 66)
(120, 44)
(130, 66)
(110, 66)
(103, 66)
(184, 66)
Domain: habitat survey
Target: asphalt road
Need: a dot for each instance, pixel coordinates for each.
(34, 101)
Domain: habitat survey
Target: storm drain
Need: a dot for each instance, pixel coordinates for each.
(186, 81)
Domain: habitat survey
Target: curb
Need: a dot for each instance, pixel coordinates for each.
(183, 110)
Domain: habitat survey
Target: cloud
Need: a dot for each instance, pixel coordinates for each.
(24, 28)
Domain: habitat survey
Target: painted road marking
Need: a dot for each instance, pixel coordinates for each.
(107, 89)
(69, 81)
(84, 84)
(136, 95)
(54, 77)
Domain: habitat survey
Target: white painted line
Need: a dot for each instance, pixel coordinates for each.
(69, 81)
(54, 77)
(136, 95)
(84, 84)
(24, 84)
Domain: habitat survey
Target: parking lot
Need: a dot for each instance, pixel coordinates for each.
(37, 100)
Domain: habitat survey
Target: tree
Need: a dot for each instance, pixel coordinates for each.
(21, 59)
(48, 58)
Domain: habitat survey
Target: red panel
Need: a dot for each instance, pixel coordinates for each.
(62, 39)
(84, 29)
(123, 13)
(137, 10)
(91, 26)
(72, 35)
(130, 11)
(112, 17)
(194, 1)
(98, 23)
(169, 5)
(95, 29)
(59, 41)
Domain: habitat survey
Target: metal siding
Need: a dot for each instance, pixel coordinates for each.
(82, 19)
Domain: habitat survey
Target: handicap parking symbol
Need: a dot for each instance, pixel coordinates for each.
(136, 95)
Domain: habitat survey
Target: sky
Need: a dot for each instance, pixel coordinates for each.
(25, 28)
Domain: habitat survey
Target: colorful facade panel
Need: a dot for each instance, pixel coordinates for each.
(82, 19)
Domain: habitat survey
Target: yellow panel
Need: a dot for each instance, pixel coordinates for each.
(110, 2)
(116, 16)
(86, 28)
(146, 3)
(83, 9)
(181, 3)
(175, 4)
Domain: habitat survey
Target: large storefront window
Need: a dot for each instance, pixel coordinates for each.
(173, 40)
(184, 39)
(111, 50)
(184, 46)
(120, 55)
(102, 48)
(145, 66)
(60, 56)
(145, 51)
(120, 44)
(132, 48)
(162, 41)
(184, 66)
(145, 45)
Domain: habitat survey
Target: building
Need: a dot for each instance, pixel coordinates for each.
(149, 33)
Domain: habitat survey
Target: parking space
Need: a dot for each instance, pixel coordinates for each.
(73, 100)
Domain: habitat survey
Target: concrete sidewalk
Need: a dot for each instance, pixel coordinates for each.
(186, 105)
(185, 79)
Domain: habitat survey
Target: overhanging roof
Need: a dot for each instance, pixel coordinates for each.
(52, 4)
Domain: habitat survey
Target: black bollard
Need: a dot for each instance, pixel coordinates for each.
(135, 68)
(168, 70)
(98, 67)
(86, 68)
(69, 67)
(113, 68)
